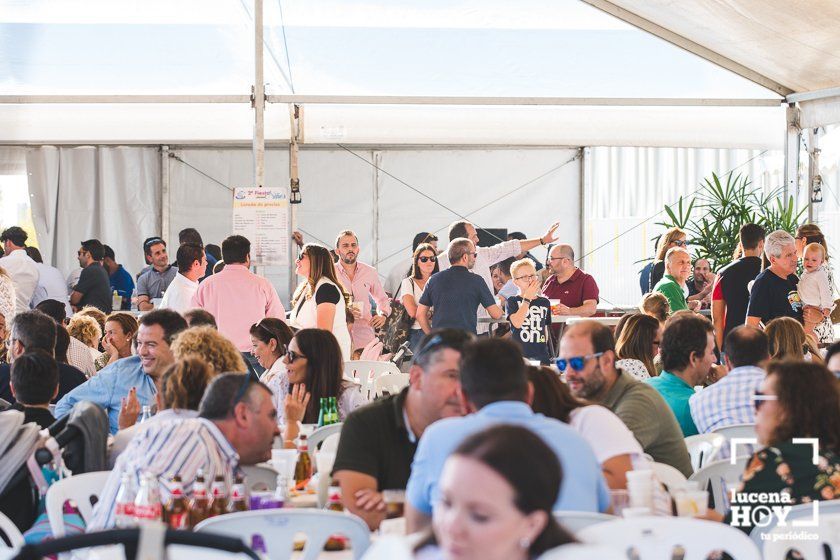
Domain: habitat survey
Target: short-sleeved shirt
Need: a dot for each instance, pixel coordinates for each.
(676, 393)
(68, 379)
(455, 294)
(733, 281)
(773, 296)
(375, 441)
(531, 336)
(674, 292)
(573, 292)
(95, 286)
(153, 283)
(123, 284)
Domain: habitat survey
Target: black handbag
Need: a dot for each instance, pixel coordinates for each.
(397, 326)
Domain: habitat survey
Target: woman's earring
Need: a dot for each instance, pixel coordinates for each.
(525, 543)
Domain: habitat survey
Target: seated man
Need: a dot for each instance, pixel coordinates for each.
(730, 400)
(673, 285)
(494, 386)
(688, 353)
(110, 388)
(237, 425)
(33, 330)
(588, 349)
(378, 441)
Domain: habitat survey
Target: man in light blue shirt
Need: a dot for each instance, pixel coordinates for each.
(111, 387)
(495, 389)
(688, 353)
(730, 400)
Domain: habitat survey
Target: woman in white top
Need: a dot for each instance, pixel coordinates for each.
(269, 340)
(424, 264)
(637, 344)
(316, 371)
(7, 297)
(612, 441)
(320, 302)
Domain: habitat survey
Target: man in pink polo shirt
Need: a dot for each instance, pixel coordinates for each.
(237, 297)
(361, 281)
(576, 290)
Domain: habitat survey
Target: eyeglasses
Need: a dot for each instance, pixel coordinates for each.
(657, 342)
(760, 398)
(680, 243)
(426, 259)
(473, 254)
(526, 277)
(577, 363)
(293, 356)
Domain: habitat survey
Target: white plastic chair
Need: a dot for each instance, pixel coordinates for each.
(577, 551)
(260, 478)
(655, 537)
(826, 509)
(364, 372)
(720, 475)
(703, 448)
(391, 384)
(574, 521)
(12, 533)
(80, 488)
(776, 546)
(330, 444)
(319, 435)
(668, 475)
(738, 431)
(278, 528)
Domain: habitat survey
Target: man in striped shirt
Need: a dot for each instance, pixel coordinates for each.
(237, 425)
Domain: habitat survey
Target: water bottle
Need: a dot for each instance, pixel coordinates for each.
(146, 413)
(124, 509)
(147, 503)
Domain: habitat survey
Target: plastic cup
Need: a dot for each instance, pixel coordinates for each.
(394, 503)
(636, 512)
(643, 475)
(700, 501)
(620, 500)
(283, 461)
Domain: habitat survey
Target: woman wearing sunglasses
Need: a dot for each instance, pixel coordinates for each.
(269, 340)
(315, 369)
(674, 237)
(320, 302)
(425, 264)
(796, 400)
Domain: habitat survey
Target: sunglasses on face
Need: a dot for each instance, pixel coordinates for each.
(577, 363)
(760, 398)
(680, 243)
(293, 356)
(426, 259)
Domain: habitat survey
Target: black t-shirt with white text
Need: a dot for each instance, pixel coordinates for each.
(532, 334)
(773, 296)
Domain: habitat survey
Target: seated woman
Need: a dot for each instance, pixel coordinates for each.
(788, 340)
(637, 345)
(796, 400)
(180, 390)
(615, 447)
(120, 329)
(86, 330)
(493, 504)
(269, 340)
(656, 305)
(315, 369)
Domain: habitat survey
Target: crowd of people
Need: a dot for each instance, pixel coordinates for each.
(508, 425)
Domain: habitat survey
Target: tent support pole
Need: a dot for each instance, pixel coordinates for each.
(813, 171)
(792, 136)
(258, 99)
(165, 199)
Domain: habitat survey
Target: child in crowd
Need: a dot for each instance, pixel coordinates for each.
(529, 313)
(814, 287)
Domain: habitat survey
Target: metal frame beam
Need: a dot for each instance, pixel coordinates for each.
(813, 95)
(689, 45)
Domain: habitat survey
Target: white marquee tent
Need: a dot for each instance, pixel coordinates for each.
(399, 103)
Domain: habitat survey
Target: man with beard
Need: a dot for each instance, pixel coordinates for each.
(378, 441)
(362, 282)
(587, 357)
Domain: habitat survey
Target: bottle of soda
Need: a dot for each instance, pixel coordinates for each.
(334, 499)
(333, 410)
(124, 509)
(303, 467)
(200, 504)
(323, 412)
(219, 505)
(238, 494)
(147, 503)
(146, 413)
(176, 514)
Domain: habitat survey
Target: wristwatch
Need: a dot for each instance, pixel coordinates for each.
(526, 300)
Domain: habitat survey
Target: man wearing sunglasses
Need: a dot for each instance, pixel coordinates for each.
(587, 358)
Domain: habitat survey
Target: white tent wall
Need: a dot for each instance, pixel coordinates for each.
(341, 190)
(626, 189)
(109, 193)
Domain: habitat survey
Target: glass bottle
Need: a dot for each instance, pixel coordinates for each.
(125, 502)
(323, 412)
(147, 503)
(238, 494)
(303, 467)
(146, 413)
(219, 505)
(176, 514)
(333, 410)
(200, 504)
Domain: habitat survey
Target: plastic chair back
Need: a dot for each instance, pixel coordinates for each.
(655, 538)
(364, 372)
(703, 448)
(278, 528)
(391, 384)
(577, 551)
(777, 547)
(11, 532)
(330, 444)
(668, 475)
(83, 489)
(720, 475)
(802, 512)
(738, 431)
(574, 521)
(260, 478)
(320, 434)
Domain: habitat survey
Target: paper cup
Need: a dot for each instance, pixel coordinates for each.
(644, 475)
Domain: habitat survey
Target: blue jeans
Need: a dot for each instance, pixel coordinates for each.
(414, 338)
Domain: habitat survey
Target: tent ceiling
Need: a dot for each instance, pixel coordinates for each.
(792, 42)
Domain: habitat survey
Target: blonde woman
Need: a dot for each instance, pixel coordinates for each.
(674, 237)
(787, 340)
(320, 302)
(86, 330)
(211, 346)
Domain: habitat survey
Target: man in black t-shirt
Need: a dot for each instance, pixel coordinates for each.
(731, 295)
(378, 441)
(774, 292)
(94, 286)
